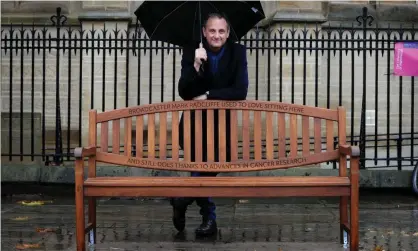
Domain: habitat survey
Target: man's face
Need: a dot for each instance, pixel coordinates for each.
(216, 32)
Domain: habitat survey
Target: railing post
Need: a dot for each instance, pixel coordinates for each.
(58, 20)
(363, 20)
(399, 152)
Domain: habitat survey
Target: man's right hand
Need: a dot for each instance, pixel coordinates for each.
(200, 56)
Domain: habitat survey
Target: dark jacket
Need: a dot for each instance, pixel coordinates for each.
(229, 83)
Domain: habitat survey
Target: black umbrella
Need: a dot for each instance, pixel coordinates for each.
(180, 22)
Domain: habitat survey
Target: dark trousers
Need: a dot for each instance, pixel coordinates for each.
(206, 204)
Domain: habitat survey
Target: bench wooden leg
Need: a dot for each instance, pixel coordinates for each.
(344, 220)
(354, 227)
(79, 205)
(354, 205)
(92, 220)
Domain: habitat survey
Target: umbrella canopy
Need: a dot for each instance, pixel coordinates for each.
(180, 22)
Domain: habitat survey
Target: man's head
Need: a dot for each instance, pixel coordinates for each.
(216, 31)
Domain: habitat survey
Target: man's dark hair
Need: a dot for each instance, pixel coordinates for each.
(217, 15)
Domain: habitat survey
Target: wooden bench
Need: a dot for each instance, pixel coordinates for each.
(256, 144)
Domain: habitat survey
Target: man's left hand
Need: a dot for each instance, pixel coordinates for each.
(201, 97)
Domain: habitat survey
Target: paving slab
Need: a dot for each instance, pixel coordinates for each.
(386, 221)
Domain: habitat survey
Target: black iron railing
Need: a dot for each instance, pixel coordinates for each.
(59, 72)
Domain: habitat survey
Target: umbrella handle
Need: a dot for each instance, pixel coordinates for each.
(201, 47)
(203, 61)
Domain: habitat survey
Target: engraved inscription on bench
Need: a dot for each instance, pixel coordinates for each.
(166, 164)
(164, 107)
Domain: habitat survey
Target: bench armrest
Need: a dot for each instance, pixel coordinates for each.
(349, 150)
(81, 152)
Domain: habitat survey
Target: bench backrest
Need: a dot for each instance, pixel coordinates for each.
(263, 135)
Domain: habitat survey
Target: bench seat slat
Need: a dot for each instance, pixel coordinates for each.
(217, 181)
(219, 191)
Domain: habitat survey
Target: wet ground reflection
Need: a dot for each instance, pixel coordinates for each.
(389, 221)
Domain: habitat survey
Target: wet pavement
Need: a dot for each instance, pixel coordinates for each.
(387, 222)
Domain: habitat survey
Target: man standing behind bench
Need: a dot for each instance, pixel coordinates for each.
(217, 70)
